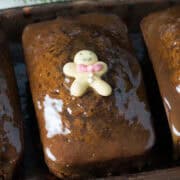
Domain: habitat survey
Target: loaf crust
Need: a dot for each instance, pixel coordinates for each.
(161, 32)
(10, 116)
(95, 133)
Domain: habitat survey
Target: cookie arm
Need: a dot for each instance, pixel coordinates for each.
(101, 87)
(104, 69)
(69, 69)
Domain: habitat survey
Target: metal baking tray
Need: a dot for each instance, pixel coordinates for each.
(13, 21)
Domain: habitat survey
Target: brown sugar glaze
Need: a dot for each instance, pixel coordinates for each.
(10, 118)
(163, 30)
(94, 130)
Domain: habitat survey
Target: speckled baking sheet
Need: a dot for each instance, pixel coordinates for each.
(33, 166)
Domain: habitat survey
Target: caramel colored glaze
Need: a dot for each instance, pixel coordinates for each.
(96, 131)
(162, 35)
(10, 120)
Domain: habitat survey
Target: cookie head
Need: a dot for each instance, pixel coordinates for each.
(85, 57)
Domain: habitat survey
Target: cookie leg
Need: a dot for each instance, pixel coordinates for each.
(78, 88)
(101, 87)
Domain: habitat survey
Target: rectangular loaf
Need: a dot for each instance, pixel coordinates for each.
(10, 116)
(161, 32)
(92, 134)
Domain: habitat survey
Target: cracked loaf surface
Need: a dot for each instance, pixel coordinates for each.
(162, 36)
(88, 135)
(10, 116)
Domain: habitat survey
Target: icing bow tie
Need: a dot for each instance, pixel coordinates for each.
(89, 68)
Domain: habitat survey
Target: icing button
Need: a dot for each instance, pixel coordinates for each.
(90, 78)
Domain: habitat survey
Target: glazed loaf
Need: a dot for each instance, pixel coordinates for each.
(10, 118)
(161, 32)
(92, 134)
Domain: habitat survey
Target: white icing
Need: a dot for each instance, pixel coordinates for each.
(176, 132)
(69, 110)
(167, 103)
(178, 88)
(54, 124)
(87, 71)
(67, 80)
(39, 105)
(50, 155)
(91, 75)
(90, 78)
(13, 135)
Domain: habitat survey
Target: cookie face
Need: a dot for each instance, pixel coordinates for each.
(85, 57)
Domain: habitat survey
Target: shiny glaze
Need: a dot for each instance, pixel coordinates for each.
(163, 29)
(95, 123)
(10, 127)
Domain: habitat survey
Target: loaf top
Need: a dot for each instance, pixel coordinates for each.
(162, 35)
(77, 130)
(164, 27)
(10, 118)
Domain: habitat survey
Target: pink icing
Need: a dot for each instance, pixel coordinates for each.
(89, 68)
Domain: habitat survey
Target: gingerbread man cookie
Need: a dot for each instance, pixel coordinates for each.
(87, 71)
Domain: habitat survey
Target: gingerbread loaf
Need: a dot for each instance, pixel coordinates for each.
(161, 32)
(93, 118)
(10, 116)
